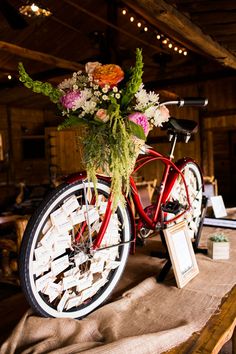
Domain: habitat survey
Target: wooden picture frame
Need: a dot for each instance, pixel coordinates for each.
(181, 253)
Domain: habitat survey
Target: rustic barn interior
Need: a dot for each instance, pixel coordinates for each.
(189, 50)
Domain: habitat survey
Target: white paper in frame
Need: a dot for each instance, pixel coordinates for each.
(181, 253)
(218, 206)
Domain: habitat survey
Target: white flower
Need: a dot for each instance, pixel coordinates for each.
(105, 89)
(117, 95)
(89, 106)
(86, 95)
(67, 83)
(150, 112)
(142, 98)
(115, 89)
(160, 118)
(105, 97)
(153, 97)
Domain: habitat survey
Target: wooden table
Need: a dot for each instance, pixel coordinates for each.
(218, 330)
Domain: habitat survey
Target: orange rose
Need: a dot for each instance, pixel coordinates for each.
(109, 74)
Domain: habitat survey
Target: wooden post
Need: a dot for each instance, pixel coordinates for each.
(20, 225)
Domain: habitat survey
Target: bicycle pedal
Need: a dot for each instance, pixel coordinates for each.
(172, 207)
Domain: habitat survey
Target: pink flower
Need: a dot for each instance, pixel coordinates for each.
(140, 119)
(165, 114)
(68, 100)
(91, 66)
(102, 115)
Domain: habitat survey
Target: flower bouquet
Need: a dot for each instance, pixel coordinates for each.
(116, 110)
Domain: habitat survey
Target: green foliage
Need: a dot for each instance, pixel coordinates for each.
(135, 80)
(70, 121)
(36, 86)
(110, 153)
(137, 130)
(219, 237)
(107, 147)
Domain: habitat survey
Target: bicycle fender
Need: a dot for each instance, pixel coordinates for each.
(78, 176)
(173, 175)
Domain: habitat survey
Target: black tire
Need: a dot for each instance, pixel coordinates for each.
(68, 281)
(194, 182)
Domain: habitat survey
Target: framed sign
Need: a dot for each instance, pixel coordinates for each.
(181, 253)
(218, 206)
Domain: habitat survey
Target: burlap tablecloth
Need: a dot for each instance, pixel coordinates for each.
(142, 316)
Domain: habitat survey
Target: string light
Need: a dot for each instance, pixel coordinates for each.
(9, 77)
(159, 36)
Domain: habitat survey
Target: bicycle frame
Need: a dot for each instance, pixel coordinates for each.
(171, 172)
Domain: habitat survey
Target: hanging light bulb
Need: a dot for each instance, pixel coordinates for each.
(33, 9)
(124, 12)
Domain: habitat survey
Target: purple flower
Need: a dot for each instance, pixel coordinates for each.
(68, 100)
(140, 119)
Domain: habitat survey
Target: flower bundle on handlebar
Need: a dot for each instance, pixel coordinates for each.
(117, 112)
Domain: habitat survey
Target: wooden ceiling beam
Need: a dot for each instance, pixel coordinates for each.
(168, 15)
(112, 25)
(39, 56)
(190, 79)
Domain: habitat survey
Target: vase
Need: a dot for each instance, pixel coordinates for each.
(218, 250)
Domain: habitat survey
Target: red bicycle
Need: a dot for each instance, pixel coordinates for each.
(75, 247)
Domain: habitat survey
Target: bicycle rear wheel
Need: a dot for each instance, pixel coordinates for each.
(59, 276)
(194, 183)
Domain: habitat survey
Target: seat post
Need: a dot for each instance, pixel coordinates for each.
(173, 144)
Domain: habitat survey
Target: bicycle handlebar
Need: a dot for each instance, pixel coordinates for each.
(188, 102)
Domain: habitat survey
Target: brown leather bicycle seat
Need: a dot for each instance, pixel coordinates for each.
(181, 126)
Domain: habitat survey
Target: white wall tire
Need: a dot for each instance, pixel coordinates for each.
(41, 299)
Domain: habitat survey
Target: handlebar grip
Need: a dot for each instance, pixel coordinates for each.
(198, 102)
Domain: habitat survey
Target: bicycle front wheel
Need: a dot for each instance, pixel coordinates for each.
(194, 183)
(59, 275)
